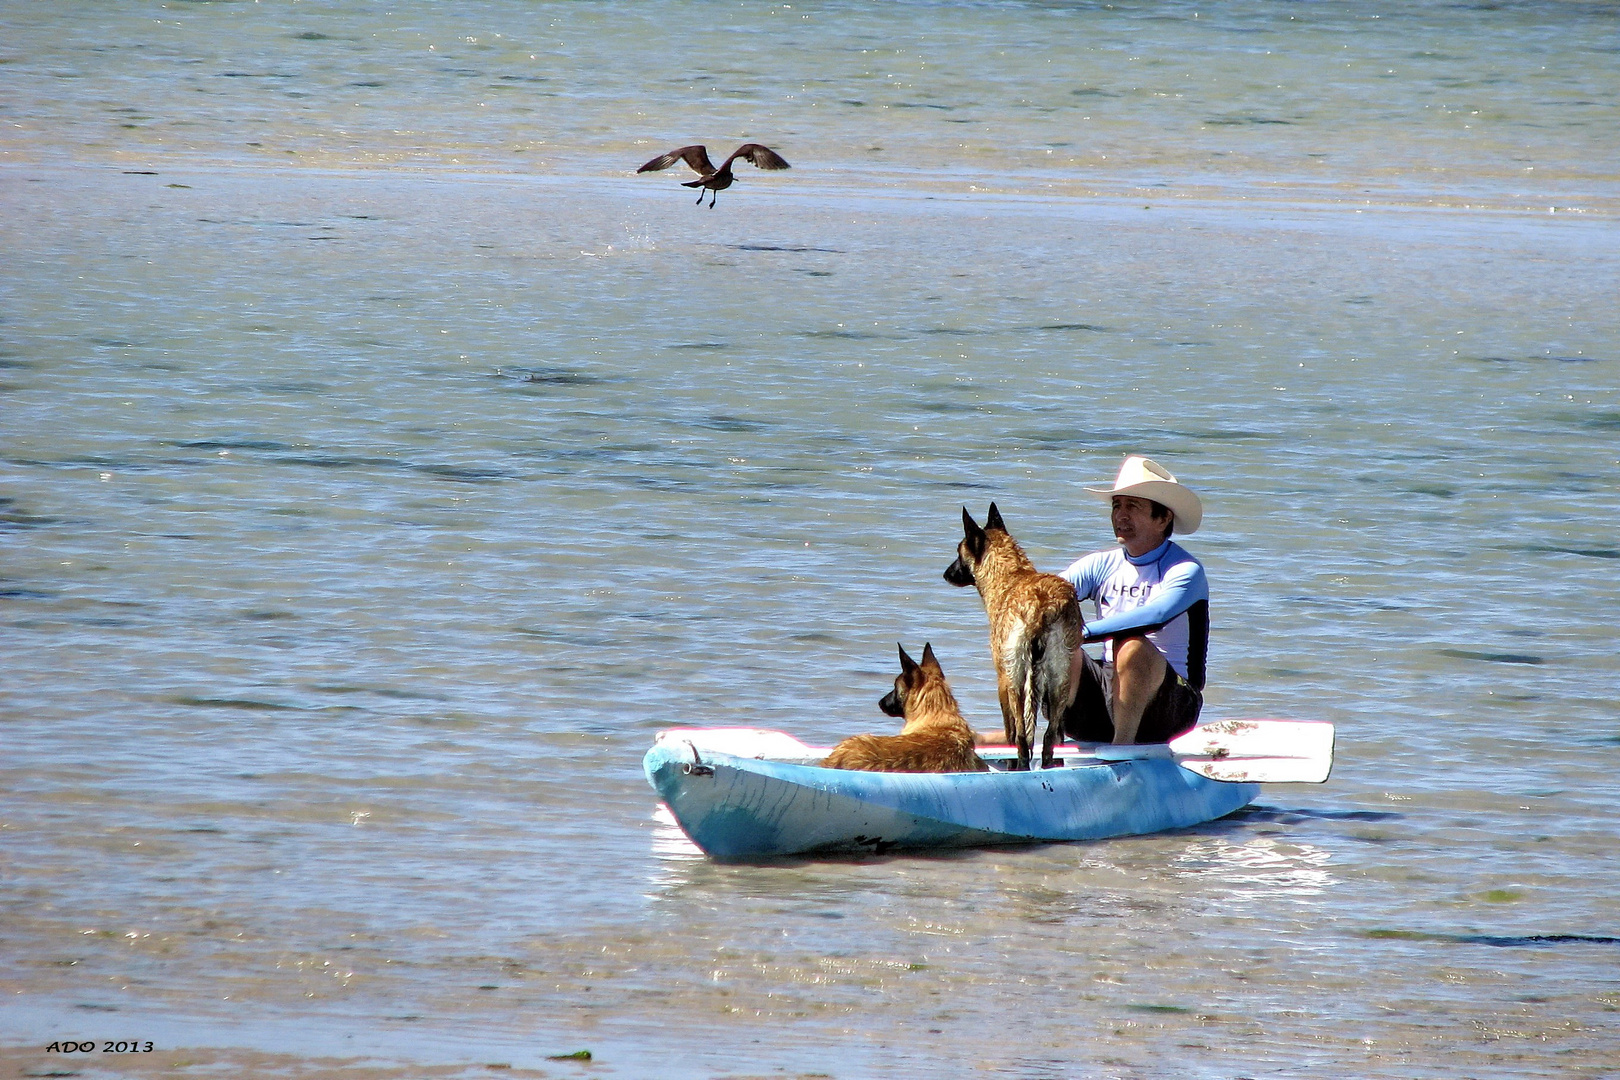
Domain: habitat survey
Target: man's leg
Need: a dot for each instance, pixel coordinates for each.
(1086, 719)
(1139, 671)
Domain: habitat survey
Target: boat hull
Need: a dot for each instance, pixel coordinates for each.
(738, 808)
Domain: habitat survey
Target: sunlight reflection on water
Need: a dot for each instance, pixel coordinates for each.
(1259, 870)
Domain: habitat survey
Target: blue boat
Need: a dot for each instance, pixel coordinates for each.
(743, 793)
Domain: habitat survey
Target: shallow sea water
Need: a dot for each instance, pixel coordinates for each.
(383, 463)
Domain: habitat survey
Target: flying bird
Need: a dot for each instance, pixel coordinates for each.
(711, 179)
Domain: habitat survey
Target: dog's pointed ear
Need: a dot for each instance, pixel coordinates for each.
(928, 660)
(994, 520)
(907, 664)
(972, 533)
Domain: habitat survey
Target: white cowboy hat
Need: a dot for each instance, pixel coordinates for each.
(1147, 479)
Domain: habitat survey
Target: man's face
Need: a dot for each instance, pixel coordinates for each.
(1135, 526)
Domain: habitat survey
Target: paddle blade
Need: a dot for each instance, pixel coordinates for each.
(1258, 751)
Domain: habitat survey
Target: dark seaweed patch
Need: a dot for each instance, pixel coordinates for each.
(1589, 553)
(25, 594)
(1500, 941)
(842, 335)
(226, 444)
(1239, 121)
(818, 636)
(229, 703)
(1543, 358)
(784, 247)
(293, 388)
(722, 422)
(1053, 438)
(550, 376)
(12, 518)
(81, 463)
(1493, 657)
(562, 378)
(382, 691)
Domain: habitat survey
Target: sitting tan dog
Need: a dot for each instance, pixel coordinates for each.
(1035, 628)
(935, 738)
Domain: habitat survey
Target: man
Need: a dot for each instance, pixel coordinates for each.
(1153, 615)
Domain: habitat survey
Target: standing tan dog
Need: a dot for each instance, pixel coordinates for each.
(1035, 626)
(935, 738)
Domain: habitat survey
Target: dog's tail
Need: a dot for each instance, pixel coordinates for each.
(1047, 684)
(1032, 680)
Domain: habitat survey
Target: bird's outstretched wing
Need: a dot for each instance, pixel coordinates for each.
(761, 157)
(695, 156)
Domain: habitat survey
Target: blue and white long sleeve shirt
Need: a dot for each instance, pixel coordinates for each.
(1162, 594)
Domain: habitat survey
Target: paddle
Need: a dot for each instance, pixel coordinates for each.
(1238, 751)
(1245, 751)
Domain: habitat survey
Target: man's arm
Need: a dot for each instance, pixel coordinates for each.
(1086, 574)
(1179, 590)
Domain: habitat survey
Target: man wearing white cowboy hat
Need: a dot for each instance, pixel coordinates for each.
(1153, 615)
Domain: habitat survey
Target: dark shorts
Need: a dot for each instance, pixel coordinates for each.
(1173, 710)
